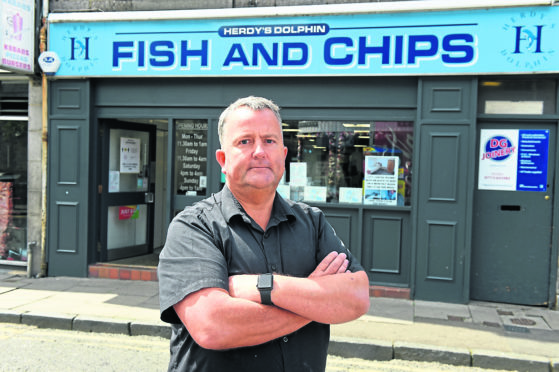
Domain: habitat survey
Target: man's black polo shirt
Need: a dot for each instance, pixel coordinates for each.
(214, 239)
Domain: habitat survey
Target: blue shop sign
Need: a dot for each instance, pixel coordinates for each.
(482, 41)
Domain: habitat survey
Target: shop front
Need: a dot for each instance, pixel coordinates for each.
(385, 122)
(17, 53)
(13, 169)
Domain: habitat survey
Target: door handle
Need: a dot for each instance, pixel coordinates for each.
(149, 197)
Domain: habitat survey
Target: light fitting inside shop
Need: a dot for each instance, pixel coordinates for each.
(349, 125)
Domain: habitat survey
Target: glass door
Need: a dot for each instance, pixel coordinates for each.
(127, 190)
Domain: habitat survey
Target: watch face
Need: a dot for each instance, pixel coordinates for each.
(265, 281)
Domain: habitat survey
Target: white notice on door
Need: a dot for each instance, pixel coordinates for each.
(129, 155)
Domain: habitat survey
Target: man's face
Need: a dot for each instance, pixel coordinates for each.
(252, 153)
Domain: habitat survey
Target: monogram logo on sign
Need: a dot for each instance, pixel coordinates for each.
(528, 45)
(79, 48)
(79, 41)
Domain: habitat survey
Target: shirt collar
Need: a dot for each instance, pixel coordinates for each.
(281, 210)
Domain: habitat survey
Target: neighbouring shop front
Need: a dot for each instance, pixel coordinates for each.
(13, 169)
(17, 54)
(428, 139)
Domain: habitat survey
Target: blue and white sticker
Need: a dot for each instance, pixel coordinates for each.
(533, 148)
(513, 160)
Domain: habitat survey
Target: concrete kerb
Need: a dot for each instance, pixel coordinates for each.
(101, 325)
(362, 349)
(429, 353)
(385, 351)
(344, 347)
(86, 324)
(513, 362)
(55, 321)
(9, 316)
(150, 329)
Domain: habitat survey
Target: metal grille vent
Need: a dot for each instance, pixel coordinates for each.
(13, 106)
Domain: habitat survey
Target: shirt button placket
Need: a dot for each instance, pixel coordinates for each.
(271, 251)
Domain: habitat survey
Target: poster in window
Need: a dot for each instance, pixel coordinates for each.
(114, 181)
(129, 155)
(381, 180)
(298, 174)
(315, 194)
(351, 195)
(513, 160)
(284, 190)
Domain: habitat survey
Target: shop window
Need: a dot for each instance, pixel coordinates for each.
(13, 191)
(191, 157)
(348, 162)
(517, 96)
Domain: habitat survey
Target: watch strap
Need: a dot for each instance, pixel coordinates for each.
(265, 285)
(266, 296)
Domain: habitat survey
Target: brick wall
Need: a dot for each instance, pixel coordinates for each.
(143, 5)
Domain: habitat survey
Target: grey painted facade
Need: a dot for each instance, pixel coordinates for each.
(426, 247)
(420, 233)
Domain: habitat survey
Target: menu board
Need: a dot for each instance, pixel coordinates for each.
(191, 157)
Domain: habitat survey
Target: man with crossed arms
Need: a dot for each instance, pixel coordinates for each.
(248, 280)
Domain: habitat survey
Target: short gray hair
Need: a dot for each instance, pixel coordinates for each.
(253, 103)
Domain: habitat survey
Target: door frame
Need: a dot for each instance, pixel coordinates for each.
(106, 199)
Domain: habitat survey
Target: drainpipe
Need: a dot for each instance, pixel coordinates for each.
(44, 137)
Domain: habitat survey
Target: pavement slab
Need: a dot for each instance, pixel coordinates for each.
(485, 315)
(442, 310)
(391, 308)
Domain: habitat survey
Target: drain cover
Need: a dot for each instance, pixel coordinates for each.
(523, 321)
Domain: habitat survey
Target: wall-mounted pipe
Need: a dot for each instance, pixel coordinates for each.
(44, 138)
(31, 246)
